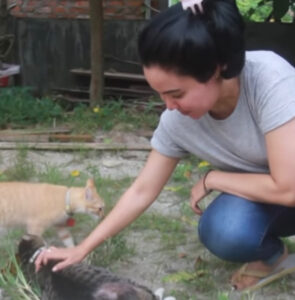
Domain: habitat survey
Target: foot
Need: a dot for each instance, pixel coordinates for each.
(250, 273)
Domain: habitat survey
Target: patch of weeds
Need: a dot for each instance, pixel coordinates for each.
(182, 172)
(3, 176)
(93, 171)
(111, 250)
(51, 174)
(85, 119)
(184, 192)
(172, 231)
(187, 211)
(248, 296)
(222, 296)
(19, 107)
(201, 280)
(12, 278)
(290, 244)
(81, 154)
(23, 168)
(204, 167)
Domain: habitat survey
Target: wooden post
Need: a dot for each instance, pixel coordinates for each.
(96, 34)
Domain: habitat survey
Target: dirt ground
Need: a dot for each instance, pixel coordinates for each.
(151, 263)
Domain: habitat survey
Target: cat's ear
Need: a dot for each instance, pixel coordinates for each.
(89, 193)
(90, 183)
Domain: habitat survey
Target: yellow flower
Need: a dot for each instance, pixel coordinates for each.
(203, 164)
(96, 109)
(75, 173)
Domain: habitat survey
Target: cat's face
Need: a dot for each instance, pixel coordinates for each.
(93, 203)
(28, 245)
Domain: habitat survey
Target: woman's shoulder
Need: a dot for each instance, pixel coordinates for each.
(267, 60)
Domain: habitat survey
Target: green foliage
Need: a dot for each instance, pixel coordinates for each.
(255, 10)
(23, 169)
(172, 2)
(18, 106)
(12, 278)
(182, 172)
(112, 113)
(111, 250)
(263, 10)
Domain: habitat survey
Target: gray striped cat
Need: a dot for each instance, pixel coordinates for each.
(79, 281)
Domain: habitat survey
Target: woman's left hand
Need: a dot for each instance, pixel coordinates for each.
(63, 257)
(197, 194)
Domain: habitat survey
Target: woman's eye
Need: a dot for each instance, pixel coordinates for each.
(177, 96)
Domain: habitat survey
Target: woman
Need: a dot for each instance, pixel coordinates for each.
(231, 108)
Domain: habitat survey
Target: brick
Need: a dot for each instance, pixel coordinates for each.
(43, 10)
(60, 10)
(118, 9)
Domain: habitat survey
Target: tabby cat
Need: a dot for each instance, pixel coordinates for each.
(79, 281)
(38, 206)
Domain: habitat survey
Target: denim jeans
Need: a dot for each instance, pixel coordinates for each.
(240, 230)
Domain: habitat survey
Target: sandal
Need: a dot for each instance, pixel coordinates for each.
(285, 267)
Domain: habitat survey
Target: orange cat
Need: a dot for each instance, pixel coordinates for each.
(38, 206)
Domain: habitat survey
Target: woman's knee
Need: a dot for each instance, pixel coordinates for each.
(225, 232)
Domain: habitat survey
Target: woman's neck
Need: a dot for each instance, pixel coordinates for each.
(229, 95)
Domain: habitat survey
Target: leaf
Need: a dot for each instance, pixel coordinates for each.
(280, 8)
(173, 188)
(181, 276)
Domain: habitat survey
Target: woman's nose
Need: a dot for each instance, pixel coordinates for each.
(171, 104)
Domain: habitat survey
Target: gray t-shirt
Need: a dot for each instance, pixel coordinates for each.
(237, 143)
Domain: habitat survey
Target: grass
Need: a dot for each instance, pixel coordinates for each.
(19, 108)
(12, 279)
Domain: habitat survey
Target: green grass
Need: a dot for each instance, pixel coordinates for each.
(12, 279)
(19, 108)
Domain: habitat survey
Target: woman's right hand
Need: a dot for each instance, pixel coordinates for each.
(64, 257)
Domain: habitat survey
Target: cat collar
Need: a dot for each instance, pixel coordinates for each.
(68, 202)
(192, 5)
(35, 255)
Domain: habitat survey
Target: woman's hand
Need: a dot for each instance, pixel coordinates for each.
(198, 192)
(64, 256)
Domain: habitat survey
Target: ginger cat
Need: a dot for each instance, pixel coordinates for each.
(38, 206)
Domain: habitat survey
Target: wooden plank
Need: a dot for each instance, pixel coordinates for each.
(75, 146)
(114, 75)
(25, 138)
(71, 137)
(33, 131)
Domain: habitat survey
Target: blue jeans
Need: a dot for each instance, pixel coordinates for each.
(240, 230)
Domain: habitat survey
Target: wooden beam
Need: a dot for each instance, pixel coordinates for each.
(75, 146)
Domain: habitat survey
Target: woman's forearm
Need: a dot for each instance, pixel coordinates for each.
(141, 194)
(255, 187)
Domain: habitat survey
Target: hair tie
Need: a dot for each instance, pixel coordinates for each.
(191, 4)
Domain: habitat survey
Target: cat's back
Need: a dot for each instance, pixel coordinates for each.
(21, 199)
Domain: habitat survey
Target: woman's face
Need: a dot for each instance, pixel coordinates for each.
(183, 93)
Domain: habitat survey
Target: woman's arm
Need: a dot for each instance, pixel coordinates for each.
(141, 194)
(278, 187)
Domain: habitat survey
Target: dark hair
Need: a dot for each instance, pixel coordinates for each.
(195, 45)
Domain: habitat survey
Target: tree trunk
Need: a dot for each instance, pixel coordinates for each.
(96, 34)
